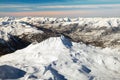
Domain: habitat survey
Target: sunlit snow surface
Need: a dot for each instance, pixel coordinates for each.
(57, 58)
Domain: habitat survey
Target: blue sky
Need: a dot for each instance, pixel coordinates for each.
(88, 7)
(61, 1)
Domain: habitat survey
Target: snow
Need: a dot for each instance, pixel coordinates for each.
(57, 58)
(15, 28)
(95, 22)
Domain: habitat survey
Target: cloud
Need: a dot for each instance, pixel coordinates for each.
(60, 10)
(15, 8)
(40, 7)
(12, 6)
(26, 9)
(70, 13)
(83, 6)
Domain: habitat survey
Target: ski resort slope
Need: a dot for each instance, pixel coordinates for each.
(57, 58)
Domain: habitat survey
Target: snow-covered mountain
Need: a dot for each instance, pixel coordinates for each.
(102, 32)
(57, 58)
(60, 48)
(10, 33)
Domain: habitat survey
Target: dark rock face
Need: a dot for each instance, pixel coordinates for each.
(39, 37)
(12, 45)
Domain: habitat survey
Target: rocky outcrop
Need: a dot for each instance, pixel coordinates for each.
(14, 43)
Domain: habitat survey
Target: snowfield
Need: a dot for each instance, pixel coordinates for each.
(60, 48)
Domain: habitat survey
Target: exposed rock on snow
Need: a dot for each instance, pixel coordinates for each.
(58, 58)
(14, 43)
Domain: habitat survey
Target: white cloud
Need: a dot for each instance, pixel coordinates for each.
(63, 6)
(12, 6)
(16, 7)
(26, 9)
(57, 7)
(83, 6)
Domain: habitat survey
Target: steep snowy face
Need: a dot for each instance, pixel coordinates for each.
(50, 47)
(57, 58)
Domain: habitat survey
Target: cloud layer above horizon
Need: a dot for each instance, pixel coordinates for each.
(90, 8)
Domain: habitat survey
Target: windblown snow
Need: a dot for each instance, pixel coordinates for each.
(59, 58)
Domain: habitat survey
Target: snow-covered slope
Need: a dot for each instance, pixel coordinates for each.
(57, 58)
